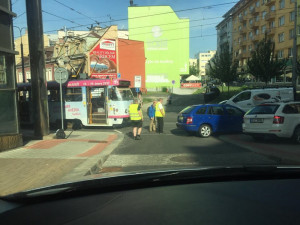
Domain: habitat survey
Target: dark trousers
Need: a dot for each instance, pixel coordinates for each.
(160, 124)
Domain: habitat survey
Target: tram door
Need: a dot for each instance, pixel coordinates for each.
(97, 109)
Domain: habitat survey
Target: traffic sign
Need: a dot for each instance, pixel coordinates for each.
(61, 75)
(119, 76)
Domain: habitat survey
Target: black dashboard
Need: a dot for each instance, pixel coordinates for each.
(275, 201)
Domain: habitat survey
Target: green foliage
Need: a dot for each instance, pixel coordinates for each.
(194, 70)
(264, 64)
(223, 67)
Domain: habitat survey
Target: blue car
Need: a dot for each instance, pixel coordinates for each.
(211, 118)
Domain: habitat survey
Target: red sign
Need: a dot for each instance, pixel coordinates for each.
(91, 83)
(103, 60)
(191, 85)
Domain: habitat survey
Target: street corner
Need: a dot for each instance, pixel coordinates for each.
(284, 149)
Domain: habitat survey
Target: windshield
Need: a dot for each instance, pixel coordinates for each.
(263, 109)
(142, 82)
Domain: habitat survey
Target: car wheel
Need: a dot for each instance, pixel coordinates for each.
(205, 130)
(297, 135)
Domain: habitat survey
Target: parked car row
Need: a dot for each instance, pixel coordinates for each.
(271, 117)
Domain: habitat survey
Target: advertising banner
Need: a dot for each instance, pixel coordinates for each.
(103, 60)
(191, 85)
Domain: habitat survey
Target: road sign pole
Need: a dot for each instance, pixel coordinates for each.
(61, 102)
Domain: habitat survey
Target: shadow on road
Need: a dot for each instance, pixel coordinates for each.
(179, 102)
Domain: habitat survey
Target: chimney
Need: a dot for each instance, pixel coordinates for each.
(131, 2)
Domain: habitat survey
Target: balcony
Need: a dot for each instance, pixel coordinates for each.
(270, 2)
(254, 11)
(256, 38)
(270, 16)
(243, 30)
(270, 31)
(242, 19)
(254, 25)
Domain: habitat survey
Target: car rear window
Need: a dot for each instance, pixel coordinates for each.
(263, 109)
(187, 109)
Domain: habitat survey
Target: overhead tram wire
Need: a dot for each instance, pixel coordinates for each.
(183, 10)
(211, 18)
(97, 22)
(60, 18)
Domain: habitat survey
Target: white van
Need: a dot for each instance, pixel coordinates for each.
(248, 99)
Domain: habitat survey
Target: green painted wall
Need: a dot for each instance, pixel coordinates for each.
(166, 40)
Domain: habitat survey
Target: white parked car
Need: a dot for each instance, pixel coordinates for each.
(248, 99)
(276, 119)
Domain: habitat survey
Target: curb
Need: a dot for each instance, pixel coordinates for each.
(85, 169)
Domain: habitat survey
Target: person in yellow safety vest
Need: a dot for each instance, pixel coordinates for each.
(136, 117)
(159, 115)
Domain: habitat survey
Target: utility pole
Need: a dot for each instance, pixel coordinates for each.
(22, 54)
(37, 67)
(294, 71)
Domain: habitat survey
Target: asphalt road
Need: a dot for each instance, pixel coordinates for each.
(176, 149)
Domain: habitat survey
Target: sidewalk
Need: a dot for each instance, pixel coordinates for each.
(51, 161)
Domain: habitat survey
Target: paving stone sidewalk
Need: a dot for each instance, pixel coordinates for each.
(48, 162)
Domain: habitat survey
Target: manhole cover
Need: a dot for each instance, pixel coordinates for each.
(184, 159)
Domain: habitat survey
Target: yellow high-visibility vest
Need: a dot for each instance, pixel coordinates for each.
(133, 112)
(157, 110)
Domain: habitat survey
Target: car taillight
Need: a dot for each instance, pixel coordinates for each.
(189, 120)
(278, 119)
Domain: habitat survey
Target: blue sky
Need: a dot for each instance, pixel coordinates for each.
(202, 20)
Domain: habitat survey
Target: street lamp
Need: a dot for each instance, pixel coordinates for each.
(22, 55)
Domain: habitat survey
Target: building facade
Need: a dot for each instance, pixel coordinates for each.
(9, 123)
(255, 19)
(166, 39)
(204, 58)
(224, 32)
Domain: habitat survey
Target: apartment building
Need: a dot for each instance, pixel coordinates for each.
(204, 58)
(253, 19)
(224, 32)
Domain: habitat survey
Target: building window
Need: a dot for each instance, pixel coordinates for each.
(280, 54)
(264, 13)
(250, 48)
(292, 16)
(257, 32)
(66, 50)
(251, 21)
(263, 2)
(281, 4)
(290, 52)
(20, 77)
(281, 21)
(263, 29)
(49, 74)
(291, 33)
(244, 37)
(250, 35)
(272, 24)
(245, 13)
(292, 1)
(272, 8)
(28, 75)
(281, 37)
(257, 4)
(257, 18)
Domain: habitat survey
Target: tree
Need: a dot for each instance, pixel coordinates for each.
(194, 70)
(264, 64)
(223, 67)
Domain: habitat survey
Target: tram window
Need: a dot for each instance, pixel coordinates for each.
(112, 93)
(73, 95)
(53, 96)
(125, 93)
